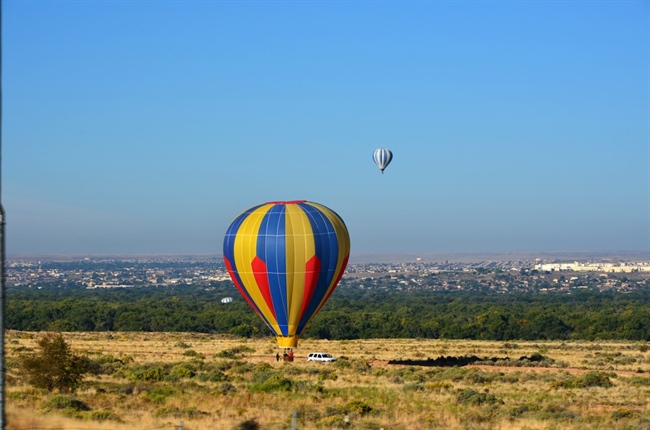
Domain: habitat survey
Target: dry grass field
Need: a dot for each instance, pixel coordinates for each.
(158, 380)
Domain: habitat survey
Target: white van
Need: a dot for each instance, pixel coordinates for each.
(320, 356)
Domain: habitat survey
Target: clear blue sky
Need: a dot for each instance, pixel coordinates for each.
(148, 126)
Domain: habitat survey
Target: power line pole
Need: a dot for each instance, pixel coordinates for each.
(2, 260)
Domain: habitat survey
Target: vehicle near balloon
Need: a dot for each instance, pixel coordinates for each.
(286, 258)
(382, 158)
(320, 356)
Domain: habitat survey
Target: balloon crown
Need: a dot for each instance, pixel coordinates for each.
(288, 202)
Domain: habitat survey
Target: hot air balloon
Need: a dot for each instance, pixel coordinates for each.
(286, 259)
(382, 157)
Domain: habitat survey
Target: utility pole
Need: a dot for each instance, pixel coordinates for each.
(3, 422)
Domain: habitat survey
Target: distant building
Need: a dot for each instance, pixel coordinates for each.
(595, 267)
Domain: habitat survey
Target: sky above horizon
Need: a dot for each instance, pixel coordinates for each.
(136, 127)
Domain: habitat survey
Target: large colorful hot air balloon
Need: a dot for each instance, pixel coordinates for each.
(382, 157)
(286, 259)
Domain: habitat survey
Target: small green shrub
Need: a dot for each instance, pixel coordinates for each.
(179, 413)
(183, 370)
(357, 407)
(589, 379)
(192, 353)
(471, 397)
(61, 402)
(214, 376)
(104, 415)
(624, 413)
(554, 411)
(148, 373)
(413, 387)
(227, 388)
(639, 381)
(159, 395)
(272, 382)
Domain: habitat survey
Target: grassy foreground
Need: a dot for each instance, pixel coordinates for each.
(157, 380)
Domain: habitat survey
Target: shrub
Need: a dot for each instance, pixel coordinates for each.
(639, 381)
(272, 382)
(179, 413)
(251, 424)
(149, 373)
(227, 388)
(357, 407)
(413, 387)
(160, 394)
(61, 402)
(192, 353)
(589, 379)
(106, 365)
(555, 411)
(623, 413)
(215, 376)
(53, 365)
(471, 397)
(183, 370)
(105, 415)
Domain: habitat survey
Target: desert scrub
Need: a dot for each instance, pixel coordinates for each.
(589, 379)
(102, 415)
(60, 402)
(147, 373)
(471, 397)
(639, 381)
(170, 412)
(235, 352)
(105, 365)
(182, 370)
(212, 376)
(159, 395)
(194, 354)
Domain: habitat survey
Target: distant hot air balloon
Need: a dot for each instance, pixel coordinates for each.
(382, 157)
(286, 259)
(226, 300)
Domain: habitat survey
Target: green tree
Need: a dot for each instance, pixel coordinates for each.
(54, 365)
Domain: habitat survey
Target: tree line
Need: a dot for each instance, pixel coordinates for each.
(351, 313)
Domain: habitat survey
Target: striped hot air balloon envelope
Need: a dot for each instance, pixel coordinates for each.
(382, 157)
(286, 259)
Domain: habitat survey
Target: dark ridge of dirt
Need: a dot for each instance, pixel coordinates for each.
(452, 361)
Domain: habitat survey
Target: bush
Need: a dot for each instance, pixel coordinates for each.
(589, 379)
(471, 397)
(227, 388)
(624, 413)
(61, 402)
(358, 407)
(183, 370)
(53, 365)
(271, 383)
(215, 376)
(148, 374)
(251, 424)
(105, 415)
(639, 381)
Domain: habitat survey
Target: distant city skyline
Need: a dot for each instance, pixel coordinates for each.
(147, 127)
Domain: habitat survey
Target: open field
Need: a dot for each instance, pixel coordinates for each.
(157, 380)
